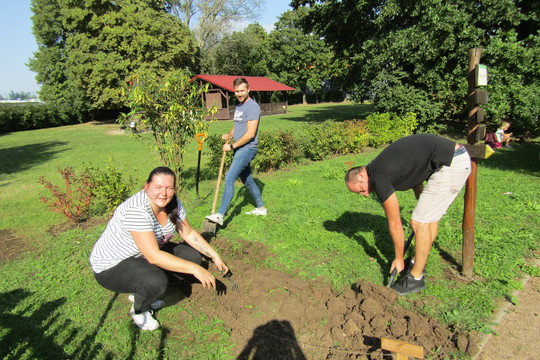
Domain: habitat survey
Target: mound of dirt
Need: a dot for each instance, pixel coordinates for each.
(273, 315)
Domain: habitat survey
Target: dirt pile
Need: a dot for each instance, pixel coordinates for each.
(275, 316)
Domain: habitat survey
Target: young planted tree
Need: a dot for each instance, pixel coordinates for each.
(172, 109)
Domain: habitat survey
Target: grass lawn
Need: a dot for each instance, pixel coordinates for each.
(51, 307)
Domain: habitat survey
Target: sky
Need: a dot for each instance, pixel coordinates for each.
(18, 43)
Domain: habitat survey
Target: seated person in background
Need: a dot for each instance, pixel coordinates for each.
(502, 136)
(134, 255)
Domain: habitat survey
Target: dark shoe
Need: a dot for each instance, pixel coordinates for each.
(408, 285)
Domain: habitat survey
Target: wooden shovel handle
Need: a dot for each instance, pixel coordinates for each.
(218, 181)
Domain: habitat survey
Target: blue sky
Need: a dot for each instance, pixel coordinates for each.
(18, 44)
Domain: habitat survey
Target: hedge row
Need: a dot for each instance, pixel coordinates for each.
(27, 116)
(319, 141)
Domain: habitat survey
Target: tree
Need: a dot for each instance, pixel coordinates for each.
(419, 49)
(171, 107)
(210, 19)
(300, 60)
(242, 53)
(87, 50)
(22, 95)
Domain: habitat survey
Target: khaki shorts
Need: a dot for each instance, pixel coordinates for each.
(442, 189)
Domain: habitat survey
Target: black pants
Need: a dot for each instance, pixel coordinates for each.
(148, 282)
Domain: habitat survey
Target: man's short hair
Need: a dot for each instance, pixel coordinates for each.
(239, 81)
(353, 173)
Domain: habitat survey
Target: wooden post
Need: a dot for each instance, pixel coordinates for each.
(470, 187)
(402, 349)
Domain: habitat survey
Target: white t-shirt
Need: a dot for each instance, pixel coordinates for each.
(117, 244)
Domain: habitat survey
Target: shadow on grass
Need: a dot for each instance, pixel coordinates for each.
(20, 158)
(241, 193)
(331, 112)
(351, 223)
(523, 157)
(28, 331)
(274, 340)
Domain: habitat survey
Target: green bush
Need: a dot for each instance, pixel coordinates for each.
(214, 144)
(387, 127)
(334, 138)
(110, 186)
(28, 116)
(276, 149)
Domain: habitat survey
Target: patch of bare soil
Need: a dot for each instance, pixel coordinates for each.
(274, 315)
(13, 246)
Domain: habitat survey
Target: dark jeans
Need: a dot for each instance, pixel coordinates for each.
(148, 282)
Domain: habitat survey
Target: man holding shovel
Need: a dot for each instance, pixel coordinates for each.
(244, 146)
(404, 165)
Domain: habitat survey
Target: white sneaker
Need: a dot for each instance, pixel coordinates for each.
(145, 320)
(216, 218)
(258, 211)
(156, 305)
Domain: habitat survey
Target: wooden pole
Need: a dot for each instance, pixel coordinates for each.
(402, 349)
(470, 187)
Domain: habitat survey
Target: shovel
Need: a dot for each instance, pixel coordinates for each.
(394, 272)
(200, 139)
(209, 227)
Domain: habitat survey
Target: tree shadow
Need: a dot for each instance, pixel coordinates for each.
(20, 158)
(274, 340)
(331, 112)
(351, 223)
(524, 157)
(33, 331)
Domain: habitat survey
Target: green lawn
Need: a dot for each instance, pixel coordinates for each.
(52, 307)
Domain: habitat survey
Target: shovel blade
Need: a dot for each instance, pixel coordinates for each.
(208, 230)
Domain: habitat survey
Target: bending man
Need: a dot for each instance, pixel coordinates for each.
(405, 165)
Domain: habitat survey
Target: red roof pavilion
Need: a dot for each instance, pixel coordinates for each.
(223, 85)
(256, 83)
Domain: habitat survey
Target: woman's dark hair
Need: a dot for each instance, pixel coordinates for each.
(172, 207)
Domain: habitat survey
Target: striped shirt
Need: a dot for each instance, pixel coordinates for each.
(117, 244)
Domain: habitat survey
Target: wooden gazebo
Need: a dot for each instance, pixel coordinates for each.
(222, 90)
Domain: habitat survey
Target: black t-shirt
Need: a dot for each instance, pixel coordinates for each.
(408, 162)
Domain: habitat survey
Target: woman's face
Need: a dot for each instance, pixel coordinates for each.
(160, 190)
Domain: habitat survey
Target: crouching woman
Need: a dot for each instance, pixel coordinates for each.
(134, 255)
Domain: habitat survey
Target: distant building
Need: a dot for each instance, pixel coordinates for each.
(222, 91)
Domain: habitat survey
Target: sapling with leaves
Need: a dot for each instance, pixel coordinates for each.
(172, 108)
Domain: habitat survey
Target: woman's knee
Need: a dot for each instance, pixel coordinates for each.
(156, 284)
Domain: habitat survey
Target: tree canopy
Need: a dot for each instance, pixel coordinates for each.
(87, 50)
(300, 60)
(412, 55)
(211, 19)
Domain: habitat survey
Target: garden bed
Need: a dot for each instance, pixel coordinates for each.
(274, 315)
